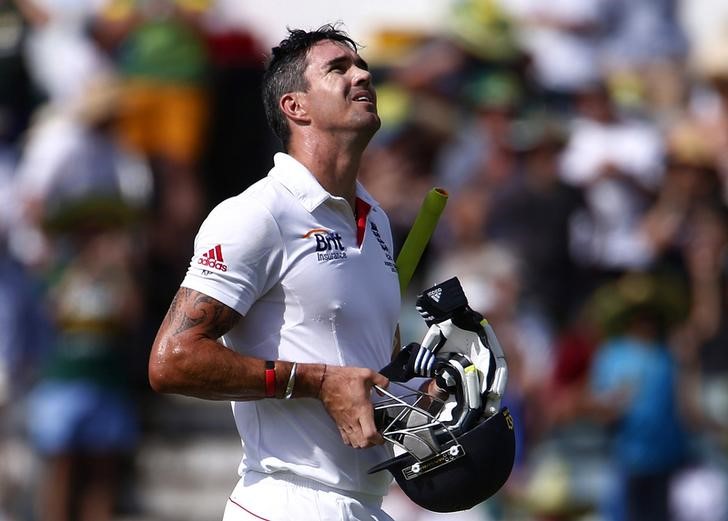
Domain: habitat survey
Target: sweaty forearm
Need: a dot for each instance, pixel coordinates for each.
(186, 357)
(204, 368)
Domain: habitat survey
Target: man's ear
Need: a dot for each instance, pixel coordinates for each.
(293, 105)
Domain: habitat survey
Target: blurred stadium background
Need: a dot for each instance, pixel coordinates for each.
(584, 144)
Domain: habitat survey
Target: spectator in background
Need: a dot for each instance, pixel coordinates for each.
(69, 150)
(562, 39)
(634, 392)
(689, 226)
(85, 193)
(62, 55)
(688, 229)
(691, 186)
(484, 30)
(161, 56)
(532, 216)
(81, 416)
(617, 162)
(482, 151)
(709, 106)
(644, 51)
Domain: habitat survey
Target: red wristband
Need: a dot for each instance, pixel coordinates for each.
(270, 379)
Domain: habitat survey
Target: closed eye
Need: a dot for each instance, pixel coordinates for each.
(339, 65)
(342, 64)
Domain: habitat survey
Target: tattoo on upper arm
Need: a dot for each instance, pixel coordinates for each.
(191, 309)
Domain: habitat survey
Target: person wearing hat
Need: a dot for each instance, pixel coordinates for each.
(634, 389)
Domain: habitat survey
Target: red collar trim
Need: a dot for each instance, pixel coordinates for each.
(362, 212)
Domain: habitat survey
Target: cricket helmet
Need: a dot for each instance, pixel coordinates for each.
(453, 453)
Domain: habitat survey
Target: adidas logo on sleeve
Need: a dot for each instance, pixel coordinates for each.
(213, 259)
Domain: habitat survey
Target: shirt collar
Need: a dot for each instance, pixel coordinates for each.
(299, 180)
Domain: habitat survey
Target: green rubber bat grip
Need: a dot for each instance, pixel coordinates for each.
(419, 235)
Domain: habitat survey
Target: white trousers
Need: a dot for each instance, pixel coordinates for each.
(287, 497)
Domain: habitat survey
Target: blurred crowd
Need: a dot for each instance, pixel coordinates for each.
(584, 147)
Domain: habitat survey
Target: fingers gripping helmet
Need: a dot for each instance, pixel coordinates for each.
(454, 453)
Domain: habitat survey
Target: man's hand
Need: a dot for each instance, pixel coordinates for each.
(346, 395)
(431, 388)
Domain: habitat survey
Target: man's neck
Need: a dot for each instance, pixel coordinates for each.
(334, 167)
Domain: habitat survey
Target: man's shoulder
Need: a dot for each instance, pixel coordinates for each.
(263, 194)
(264, 201)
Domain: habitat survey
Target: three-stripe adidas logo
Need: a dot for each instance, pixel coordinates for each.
(213, 259)
(435, 294)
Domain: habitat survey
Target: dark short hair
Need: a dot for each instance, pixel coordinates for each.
(285, 71)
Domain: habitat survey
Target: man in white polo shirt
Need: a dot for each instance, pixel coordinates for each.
(291, 300)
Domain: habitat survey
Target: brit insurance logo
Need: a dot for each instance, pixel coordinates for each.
(213, 259)
(328, 244)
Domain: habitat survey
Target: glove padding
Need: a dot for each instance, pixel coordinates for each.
(412, 361)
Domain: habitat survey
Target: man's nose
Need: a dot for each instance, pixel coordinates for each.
(362, 76)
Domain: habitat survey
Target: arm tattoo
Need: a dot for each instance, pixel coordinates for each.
(192, 309)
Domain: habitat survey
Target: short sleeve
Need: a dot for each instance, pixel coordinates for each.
(608, 372)
(238, 254)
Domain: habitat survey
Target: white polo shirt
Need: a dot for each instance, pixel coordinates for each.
(286, 255)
